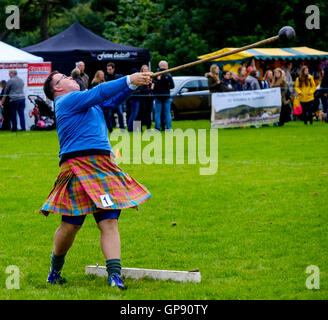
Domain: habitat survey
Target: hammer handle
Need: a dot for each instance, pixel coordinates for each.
(221, 55)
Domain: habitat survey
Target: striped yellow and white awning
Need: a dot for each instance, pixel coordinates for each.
(269, 53)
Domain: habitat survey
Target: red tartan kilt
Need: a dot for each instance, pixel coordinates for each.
(91, 183)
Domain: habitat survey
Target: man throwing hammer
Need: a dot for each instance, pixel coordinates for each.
(89, 181)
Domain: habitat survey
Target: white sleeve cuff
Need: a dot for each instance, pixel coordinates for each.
(130, 85)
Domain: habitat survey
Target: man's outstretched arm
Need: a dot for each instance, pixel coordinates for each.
(79, 100)
(116, 100)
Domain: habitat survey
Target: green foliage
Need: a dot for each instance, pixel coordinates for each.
(81, 13)
(30, 17)
(175, 30)
(167, 33)
(133, 22)
(104, 6)
(25, 39)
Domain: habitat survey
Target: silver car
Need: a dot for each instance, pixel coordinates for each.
(190, 98)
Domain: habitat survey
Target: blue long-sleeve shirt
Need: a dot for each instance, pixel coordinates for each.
(80, 121)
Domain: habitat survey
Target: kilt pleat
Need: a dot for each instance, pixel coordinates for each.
(91, 183)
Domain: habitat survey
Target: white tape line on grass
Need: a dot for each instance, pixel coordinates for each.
(25, 133)
(135, 273)
(273, 163)
(27, 155)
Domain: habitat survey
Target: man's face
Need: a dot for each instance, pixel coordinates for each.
(163, 65)
(227, 76)
(64, 84)
(110, 70)
(81, 66)
(11, 74)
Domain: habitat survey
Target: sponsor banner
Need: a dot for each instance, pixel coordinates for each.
(37, 73)
(253, 107)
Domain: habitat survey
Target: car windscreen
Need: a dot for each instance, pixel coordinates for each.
(177, 82)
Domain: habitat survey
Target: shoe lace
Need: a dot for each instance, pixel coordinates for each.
(118, 279)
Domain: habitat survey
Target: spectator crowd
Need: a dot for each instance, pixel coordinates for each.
(146, 103)
(140, 104)
(301, 95)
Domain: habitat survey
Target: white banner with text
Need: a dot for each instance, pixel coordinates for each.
(241, 108)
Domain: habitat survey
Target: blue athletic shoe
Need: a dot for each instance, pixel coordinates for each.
(55, 277)
(116, 281)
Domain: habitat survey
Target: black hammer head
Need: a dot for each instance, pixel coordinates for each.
(286, 33)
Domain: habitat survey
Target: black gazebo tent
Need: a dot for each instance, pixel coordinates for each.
(78, 43)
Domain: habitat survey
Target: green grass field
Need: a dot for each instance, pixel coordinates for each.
(251, 229)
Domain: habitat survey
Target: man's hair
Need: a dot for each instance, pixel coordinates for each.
(48, 86)
(253, 73)
(75, 73)
(111, 64)
(224, 72)
(162, 62)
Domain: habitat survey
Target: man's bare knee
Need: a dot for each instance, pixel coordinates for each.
(69, 228)
(108, 225)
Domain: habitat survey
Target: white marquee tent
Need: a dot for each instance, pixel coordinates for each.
(14, 58)
(10, 54)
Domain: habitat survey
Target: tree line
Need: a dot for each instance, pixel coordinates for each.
(175, 30)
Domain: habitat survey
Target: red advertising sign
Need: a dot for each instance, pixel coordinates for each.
(38, 73)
